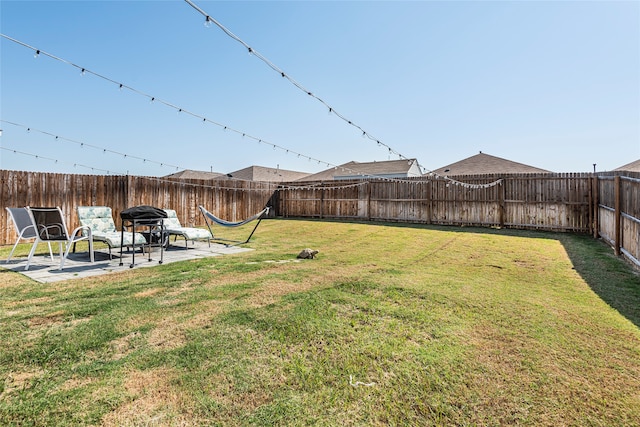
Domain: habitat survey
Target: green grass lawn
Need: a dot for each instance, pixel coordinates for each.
(389, 325)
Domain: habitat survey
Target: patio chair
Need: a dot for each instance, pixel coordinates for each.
(24, 228)
(99, 220)
(174, 228)
(50, 227)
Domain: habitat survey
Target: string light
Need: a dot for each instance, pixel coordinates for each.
(157, 100)
(204, 119)
(39, 157)
(84, 144)
(283, 74)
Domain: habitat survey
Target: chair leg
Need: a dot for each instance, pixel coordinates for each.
(50, 251)
(63, 254)
(33, 250)
(91, 253)
(66, 254)
(12, 250)
(69, 248)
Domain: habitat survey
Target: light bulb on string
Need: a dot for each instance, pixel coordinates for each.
(37, 54)
(207, 22)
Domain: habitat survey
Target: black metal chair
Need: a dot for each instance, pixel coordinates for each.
(50, 227)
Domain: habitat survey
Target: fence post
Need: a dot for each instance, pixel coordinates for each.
(595, 191)
(125, 192)
(427, 189)
(369, 189)
(616, 184)
(501, 201)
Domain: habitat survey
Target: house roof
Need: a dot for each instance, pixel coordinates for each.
(262, 173)
(631, 167)
(386, 168)
(191, 174)
(482, 164)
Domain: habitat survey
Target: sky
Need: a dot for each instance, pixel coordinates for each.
(551, 84)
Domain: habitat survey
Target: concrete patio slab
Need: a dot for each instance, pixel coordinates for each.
(78, 265)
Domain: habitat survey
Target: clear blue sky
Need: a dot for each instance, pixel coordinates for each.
(555, 85)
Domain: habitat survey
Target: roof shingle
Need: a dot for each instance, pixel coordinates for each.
(386, 168)
(484, 164)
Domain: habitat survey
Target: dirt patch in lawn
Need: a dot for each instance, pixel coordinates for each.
(154, 400)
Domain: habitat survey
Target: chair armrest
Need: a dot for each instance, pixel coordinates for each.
(81, 229)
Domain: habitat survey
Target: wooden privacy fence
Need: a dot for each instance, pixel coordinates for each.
(618, 210)
(232, 200)
(547, 202)
(605, 205)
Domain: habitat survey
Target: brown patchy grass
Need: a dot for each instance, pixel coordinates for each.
(454, 328)
(152, 401)
(18, 380)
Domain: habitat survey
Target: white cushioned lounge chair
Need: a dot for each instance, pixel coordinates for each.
(100, 220)
(174, 228)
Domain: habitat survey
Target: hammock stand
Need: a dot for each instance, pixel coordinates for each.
(208, 216)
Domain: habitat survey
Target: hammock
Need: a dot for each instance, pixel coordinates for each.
(208, 216)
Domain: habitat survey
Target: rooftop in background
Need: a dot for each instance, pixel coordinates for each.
(384, 169)
(631, 167)
(265, 174)
(482, 164)
(191, 174)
